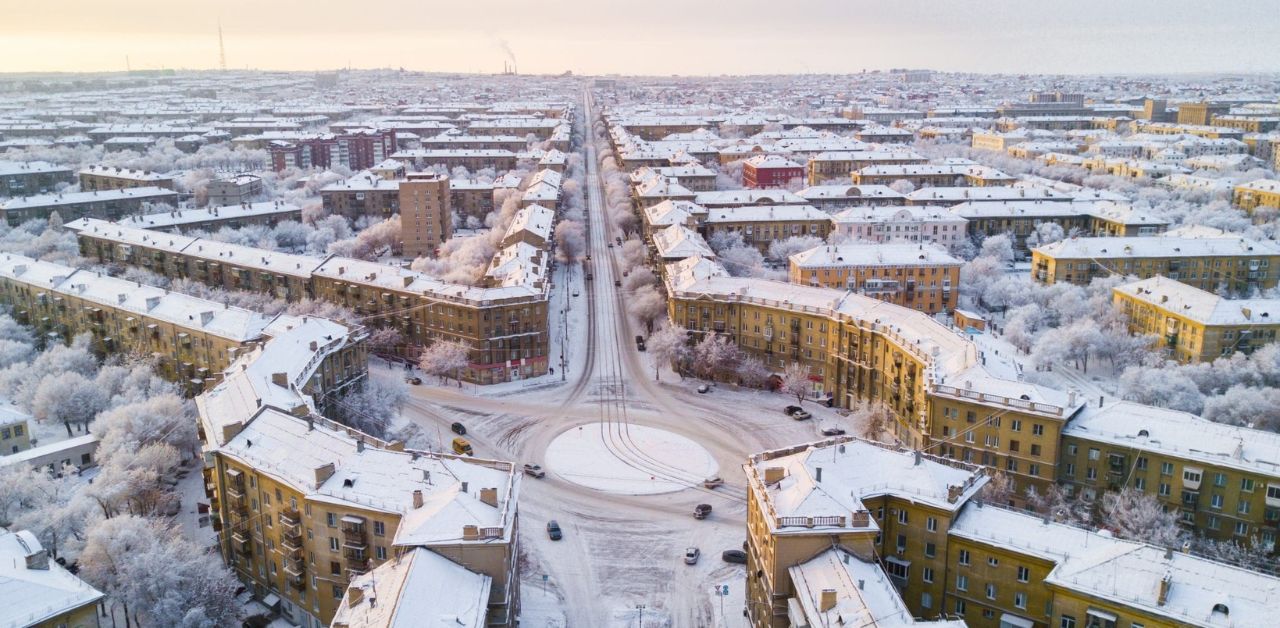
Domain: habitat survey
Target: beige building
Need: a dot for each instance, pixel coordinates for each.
(1192, 325)
(1254, 194)
(425, 217)
(116, 178)
(915, 276)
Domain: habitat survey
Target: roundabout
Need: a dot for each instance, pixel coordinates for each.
(629, 459)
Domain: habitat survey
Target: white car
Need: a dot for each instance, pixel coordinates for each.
(691, 555)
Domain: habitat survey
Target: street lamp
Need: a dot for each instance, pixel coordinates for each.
(640, 607)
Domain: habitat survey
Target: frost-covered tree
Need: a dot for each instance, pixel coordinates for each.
(669, 346)
(753, 372)
(68, 398)
(639, 278)
(999, 488)
(373, 409)
(715, 354)
(156, 577)
(571, 240)
(902, 186)
(443, 358)
(162, 419)
(135, 484)
(648, 306)
(795, 381)
(782, 250)
(1135, 515)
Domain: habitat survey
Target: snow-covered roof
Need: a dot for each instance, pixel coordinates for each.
(363, 182)
(662, 187)
(909, 213)
(96, 196)
(733, 198)
(182, 217)
(1128, 573)
(771, 161)
(418, 588)
(37, 588)
(125, 173)
(679, 242)
(1159, 246)
(995, 193)
(1261, 185)
(30, 167)
(959, 170)
(821, 484)
(864, 594)
(819, 192)
(672, 212)
(534, 219)
(1018, 209)
(852, 254)
(1188, 301)
(1178, 434)
(766, 213)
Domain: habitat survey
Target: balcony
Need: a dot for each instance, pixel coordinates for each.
(241, 543)
(290, 518)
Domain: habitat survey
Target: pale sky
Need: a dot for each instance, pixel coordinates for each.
(647, 36)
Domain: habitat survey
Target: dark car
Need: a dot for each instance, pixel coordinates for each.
(412, 379)
(702, 511)
(832, 431)
(535, 470)
(553, 530)
(617, 283)
(734, 556)
(797, 413)
(458, 429)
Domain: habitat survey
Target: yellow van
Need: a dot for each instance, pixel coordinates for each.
(461, 446)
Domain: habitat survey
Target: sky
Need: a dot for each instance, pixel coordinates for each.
(661, 37)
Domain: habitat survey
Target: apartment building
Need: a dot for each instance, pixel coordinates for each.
(235, 190)
(1201, 113)
(117, 178)
(762, 225)
(214, 217)
(939, 391)
(105, 204)
(42, 593)
(724, 199)
(505, 327)
(836, 166)
(914, 276)
(1220, 479)
(770, 171)
(471, 198)
(836, 197)
(1022, 218)
(933, 175)
(1193, 325)
(950, 196)
(1254, 194)
(694, 177)
(1210, 261)
(364, 194)
(22, 178)
(901, 224)
(355, 149)
(952, 558)
(471, 159)
(667, 213)
(1248, 124)
(15, 430)
(426, 220)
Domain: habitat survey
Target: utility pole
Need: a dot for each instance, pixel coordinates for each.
(640, 607)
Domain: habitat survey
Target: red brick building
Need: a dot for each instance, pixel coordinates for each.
(770, 171)
(357, 149)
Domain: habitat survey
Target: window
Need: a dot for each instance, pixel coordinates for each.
(1273, 491)
(335, 568)
(1141, 463)
(1094, 453)
(993, 561)
(331, 519)
(1037, 429)
(960, 608)
(1033, 469)
(897, 569)
(1020, 600)
(931, 524)
(991, 591)
(926, 600)
(379, 528)
(930, 550)
(333, 544)
(1191, 475)
(380, 552)
(1067, 622)
(1015, 425)
(1242, 528)
(902, 543)
(1243, 507)
(337, 592)
(1166, 468)
(1164, 489)
(902, 515)
(964, 557)
(1215, 502)
(1071, 450)
(1219, 479)
(962, 583)
(1246, 485)
(927, 574)
(1024, 574)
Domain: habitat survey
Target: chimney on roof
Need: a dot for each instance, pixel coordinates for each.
(355, 595)
(417, 498)
(827, 601)
(323, 473)
(1166, 582)
(280, 379)
(489, 496)
(817, 474)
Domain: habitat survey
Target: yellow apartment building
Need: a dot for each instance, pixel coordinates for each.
(1211, 261)
(42, 593)
(916, 276)
(1192, 325)
(1261, 193)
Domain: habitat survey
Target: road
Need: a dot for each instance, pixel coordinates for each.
(620, 550)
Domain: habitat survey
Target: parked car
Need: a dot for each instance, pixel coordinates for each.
(617, 283)
(691, 555)
(640, 343)
(553, 530)
(459, 429)
(535, 470)
(832, 431)
(734, 556)
(702, 511)
(712, 482)
(703, 389)
(797, 413)
(413, 379)
(462, 447)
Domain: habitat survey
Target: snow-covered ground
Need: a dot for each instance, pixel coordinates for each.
(585, 456)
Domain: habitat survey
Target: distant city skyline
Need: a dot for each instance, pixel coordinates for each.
(660, 37)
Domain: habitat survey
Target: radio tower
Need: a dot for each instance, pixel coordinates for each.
(222, 50)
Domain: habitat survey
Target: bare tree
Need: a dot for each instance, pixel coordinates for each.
(795, 381)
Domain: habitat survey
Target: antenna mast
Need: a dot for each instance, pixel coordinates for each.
(222, 49)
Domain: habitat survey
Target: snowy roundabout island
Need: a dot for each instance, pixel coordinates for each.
(629, 459)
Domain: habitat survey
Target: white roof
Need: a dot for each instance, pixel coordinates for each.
(30, 167)
(908, 213)
(865, 596)
(995, 193)
(1261, 185)
(535, 219)
(125, 173)
(35, 595)
(178, 218)
(772, 161)
(852, 254)
(679, 242)
(767, 213)
(1179, 298)
(817, 192)
(1159, 246)
(98, 196)
(419, 588)
(672, 212)
(853, 470)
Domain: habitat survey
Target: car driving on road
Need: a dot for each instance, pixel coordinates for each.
(553, 530)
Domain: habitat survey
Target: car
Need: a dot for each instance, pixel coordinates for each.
(535, 470)
(610, 245)
(617, 283)
(413, 379)
(703, 389)
(459, 429)
(712, 482)
(553, 530)
(832, 431)
(575, 293)
(626, 273)
(701, 511)
(797, 413)
(619, 240)
(734, 556)
(691, 555)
